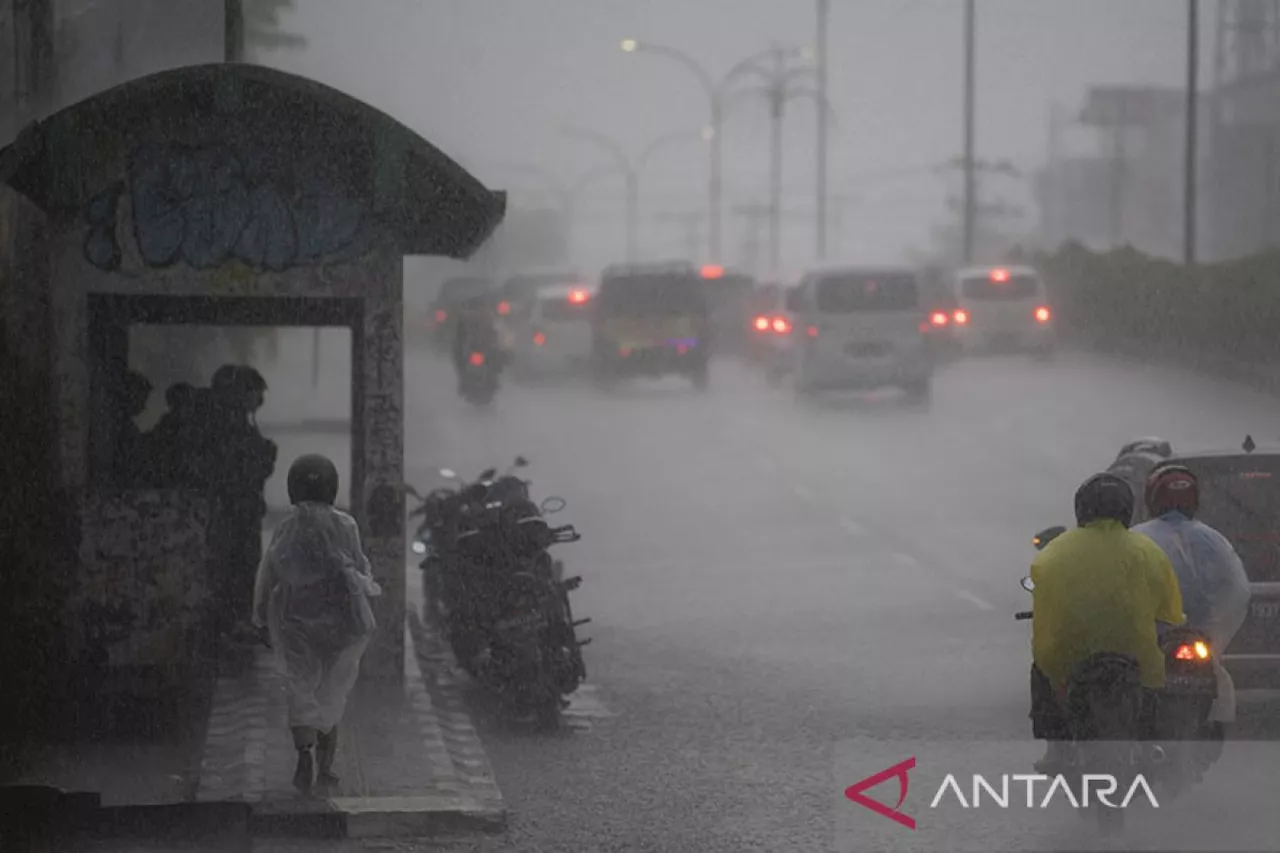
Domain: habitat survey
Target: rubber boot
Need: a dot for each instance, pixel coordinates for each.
(326, 751)
(1054, 760)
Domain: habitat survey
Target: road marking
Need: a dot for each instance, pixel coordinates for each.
(803, 493)
(851, 527)
(973, 599)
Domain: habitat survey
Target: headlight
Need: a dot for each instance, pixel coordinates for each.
(419, 548)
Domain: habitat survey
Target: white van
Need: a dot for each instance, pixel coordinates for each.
(1002, 309)
(861, 328)
(556, 335)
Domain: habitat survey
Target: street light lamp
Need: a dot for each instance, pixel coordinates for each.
(630, 166)
(716, 91)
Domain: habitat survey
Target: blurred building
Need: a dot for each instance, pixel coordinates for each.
(1128, 187)
(66, 50)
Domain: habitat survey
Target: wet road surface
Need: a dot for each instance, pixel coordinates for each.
(772, 581)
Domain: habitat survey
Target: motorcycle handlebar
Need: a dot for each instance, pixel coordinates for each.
(1023, 614)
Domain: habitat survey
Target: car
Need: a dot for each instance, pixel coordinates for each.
(557, 337)
(1240, 498)
(774, 327)
(862, 329)
(1002, 309)
(729, 295)
(442, 314)
(519, 291)
(651, 320)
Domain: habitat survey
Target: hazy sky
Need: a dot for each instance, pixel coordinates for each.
(489, 81)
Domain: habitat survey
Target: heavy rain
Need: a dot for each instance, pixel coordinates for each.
(567, 425)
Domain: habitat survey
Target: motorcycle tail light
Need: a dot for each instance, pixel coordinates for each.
(539, 339)
(781, 325)
(441, 316)
(962, 317)
(1199, 650)
(762, 324)
(477, 358)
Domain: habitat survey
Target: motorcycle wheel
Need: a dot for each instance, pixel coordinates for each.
(482, 395)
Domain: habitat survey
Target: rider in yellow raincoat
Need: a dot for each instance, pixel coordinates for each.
(1098, 588)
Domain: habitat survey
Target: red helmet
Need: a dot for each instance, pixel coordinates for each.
(1173, 487)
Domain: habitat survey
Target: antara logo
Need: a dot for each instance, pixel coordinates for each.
(1094, 788)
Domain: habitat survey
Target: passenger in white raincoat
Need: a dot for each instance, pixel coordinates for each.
(311, 595)
(1215, 588)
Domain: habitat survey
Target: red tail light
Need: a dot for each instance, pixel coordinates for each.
(962, 317)
(781, 326)
(441, 316)
(477, 359)
(1043, 315)
(504, 307)
(681, 349)
(577, 297)
(1199, 650)
(539, 339)
(762, 324)
(624, 351)
(938, 318)
(812, 331)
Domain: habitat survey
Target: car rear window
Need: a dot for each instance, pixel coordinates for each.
(729, 288)
(794, 299)
(524, 286)
(851, 293)
(460, 289)
(654, 295)
(987, 289)
(1240, 498)
(561, 310)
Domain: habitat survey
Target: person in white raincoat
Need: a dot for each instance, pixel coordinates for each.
(1215, 588)
(311, 596)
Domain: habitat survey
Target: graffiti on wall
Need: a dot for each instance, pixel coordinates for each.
(209, 206)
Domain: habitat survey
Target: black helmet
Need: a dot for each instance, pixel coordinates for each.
(313, 478)
(1104, 496)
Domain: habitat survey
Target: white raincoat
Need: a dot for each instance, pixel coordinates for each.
(1215, 589)
(312, 594)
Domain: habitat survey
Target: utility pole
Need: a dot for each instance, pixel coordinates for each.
(824, 14)
(1189, 176)
(777, 107)
(970, 190)
(233, 31)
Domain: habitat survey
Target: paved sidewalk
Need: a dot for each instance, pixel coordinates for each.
(410, 762)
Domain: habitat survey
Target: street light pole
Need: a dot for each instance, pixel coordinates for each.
(1189, 175)
(777, 108)
(715, 187)
(970, 181)
(824, 13)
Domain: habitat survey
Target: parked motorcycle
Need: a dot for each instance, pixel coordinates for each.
(1174, 739)
(501, 599)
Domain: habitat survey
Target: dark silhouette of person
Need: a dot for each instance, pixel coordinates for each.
(171, 439)
(239, 461)
(130, 464)
(476, 331)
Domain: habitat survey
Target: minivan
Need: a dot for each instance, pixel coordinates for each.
(1003, 309)
(860, 328)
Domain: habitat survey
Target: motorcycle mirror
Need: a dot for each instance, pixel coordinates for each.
(1044, 537)
(419, 548)
(487, 474)
(448, 473)
(520, 462)
(552, 505)
(1028, 584)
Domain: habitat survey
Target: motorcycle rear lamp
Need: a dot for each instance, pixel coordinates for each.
(938, 318)
(441, 316)
(962, 317)
(999, 275)
(577, 297)
(504, 307)
(781, 326)
(477, 359)
(762, 324)
(1043, 314)
(1199, 650)
(539, 339)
